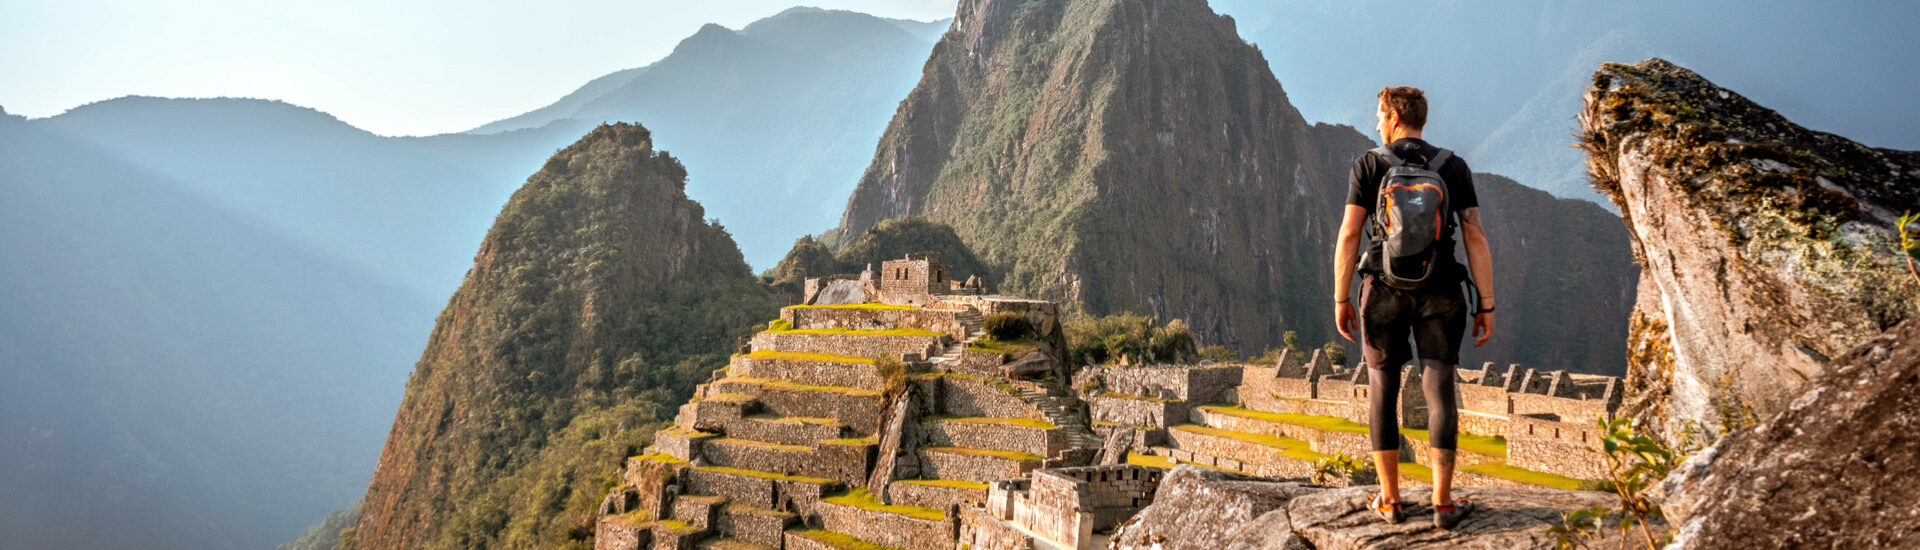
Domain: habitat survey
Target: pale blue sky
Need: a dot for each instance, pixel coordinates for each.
(393, 67)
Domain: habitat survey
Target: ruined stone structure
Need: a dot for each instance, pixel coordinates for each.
(804, 442)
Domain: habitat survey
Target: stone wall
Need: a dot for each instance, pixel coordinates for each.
(981, 531)
(936, 496)
(990, 435)
(1063, 509)
(1559, 408)
(809, 372)
(1198, 384)
(972, 467)
(1133, 411)
(889, 529)
(857, 345)
(1556, 447)
(860, 411)
(622, 533)
(1321, 441)
(1044, 315)
(680, 443)
(754, 524)
(967, 395)
(1111, 493)
(800, 496)
(784, 431)
(947, 321)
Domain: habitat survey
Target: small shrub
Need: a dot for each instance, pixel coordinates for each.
(893, 372)
(1291, 339)
(1007, 327)
(1219, 354)
(1635, 462)
(1336, 353)
(1269, 357)
(779, 325)
(1344, 470)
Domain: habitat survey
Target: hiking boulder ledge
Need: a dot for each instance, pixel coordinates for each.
(1198, 508)
(1766, 249)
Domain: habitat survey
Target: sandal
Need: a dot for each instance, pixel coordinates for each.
(1446, 515)
(1392, 513)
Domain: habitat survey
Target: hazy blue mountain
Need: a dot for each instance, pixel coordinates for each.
(174, 375)
(1505, 78)
(775, 121)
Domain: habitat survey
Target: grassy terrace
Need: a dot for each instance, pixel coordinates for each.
(861, 332)
(721, 542)
(1284, 446)
(838, 541)
(992, 345)
(789, 385)
(760, 444)
(678, 527)
(765, 475)
(1487, 445)
(868, 305)
(989, 453)
(1022, 422)
(1157, 461)
(771, 417)
(820, 357)
(1504, 471)
(953, 483)
(860, 498)
(661, 457)
(854, 441)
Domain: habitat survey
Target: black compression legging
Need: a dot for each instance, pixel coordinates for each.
(1443, 421)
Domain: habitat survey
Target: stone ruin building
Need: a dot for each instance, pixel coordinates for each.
(802, 442)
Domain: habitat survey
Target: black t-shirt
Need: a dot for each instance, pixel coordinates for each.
(1363, 189)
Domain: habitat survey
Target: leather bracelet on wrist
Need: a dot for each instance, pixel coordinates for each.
(1343, 301)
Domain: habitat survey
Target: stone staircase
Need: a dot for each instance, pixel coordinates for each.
(976, 329)
(1059, 411)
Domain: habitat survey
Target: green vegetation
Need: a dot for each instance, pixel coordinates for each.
(1155, 461)
(761, 444)
(838, 540)
(860, 498)
(1335, 353)
(893, 374)
(1345, 470)
(1219, 354)
(862, 332)
(1505, 471)
(1284, 446)
(1490, 445)
(868, 305)
(661, 457)
(766, 475)
(1022, 422)
(566, 343)
(1910, 242)
(1635, 463)
(1005, 348)
(1009, 326)
(821, 357)
(954, 483)
(1095, 340)
(778, 325)
(890, 240)
(854, 441)
(326, 535)
(990, 453)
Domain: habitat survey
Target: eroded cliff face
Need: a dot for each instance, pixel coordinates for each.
(1766, 248)
(1132, 155)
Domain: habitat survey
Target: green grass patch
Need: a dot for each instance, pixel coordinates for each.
(854, 441)
(838, 540)
(678, 527)
(1490, 445)
(1285, 446)
(990, 453)
(953, 483)
(661, 457)
(730, 398)
(868, 305)
(738, 508)
(1332, 423)
(820, 357)
(860, 498)
(1414, 470)
(862, 332)
(760, 444)
(1504, 471)
(765, 475)
(773, 417)
(1022, 422)
(990, 344)
(1156, 461)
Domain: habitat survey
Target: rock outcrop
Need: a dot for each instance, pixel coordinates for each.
(1131, 155)
(1835, 470)
(1207, 509)
(1766, 248)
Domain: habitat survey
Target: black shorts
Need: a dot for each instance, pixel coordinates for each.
(1436, 317)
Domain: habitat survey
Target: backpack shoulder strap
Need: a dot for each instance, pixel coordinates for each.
(1387, 153)
(1439, 159)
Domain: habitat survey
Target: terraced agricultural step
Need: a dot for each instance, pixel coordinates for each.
(754, 524)
(725, 543)
(976, 465)
(822, 539)
(758, 488)
(845, 460)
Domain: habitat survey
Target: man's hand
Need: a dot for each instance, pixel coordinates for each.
(1344, 320)
(1482, 328)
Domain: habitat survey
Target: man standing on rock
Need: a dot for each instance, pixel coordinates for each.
(1413, 196)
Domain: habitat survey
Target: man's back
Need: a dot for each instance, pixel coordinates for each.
(1370, 170)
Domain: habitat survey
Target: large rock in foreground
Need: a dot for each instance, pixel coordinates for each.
(1205, 509)
(1837, 469)
(1766, 248)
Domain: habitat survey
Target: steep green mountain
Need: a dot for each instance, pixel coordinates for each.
(598, 299)
(887, 241)
(174, 374)
(1139, 156)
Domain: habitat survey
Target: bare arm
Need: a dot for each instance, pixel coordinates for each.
(1346, 253)
(1480, 262)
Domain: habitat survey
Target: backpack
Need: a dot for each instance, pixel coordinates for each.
(1410, 219)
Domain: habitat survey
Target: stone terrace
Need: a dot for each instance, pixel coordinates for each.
(781, 448)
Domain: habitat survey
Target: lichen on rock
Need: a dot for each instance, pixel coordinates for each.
(1770, 248)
